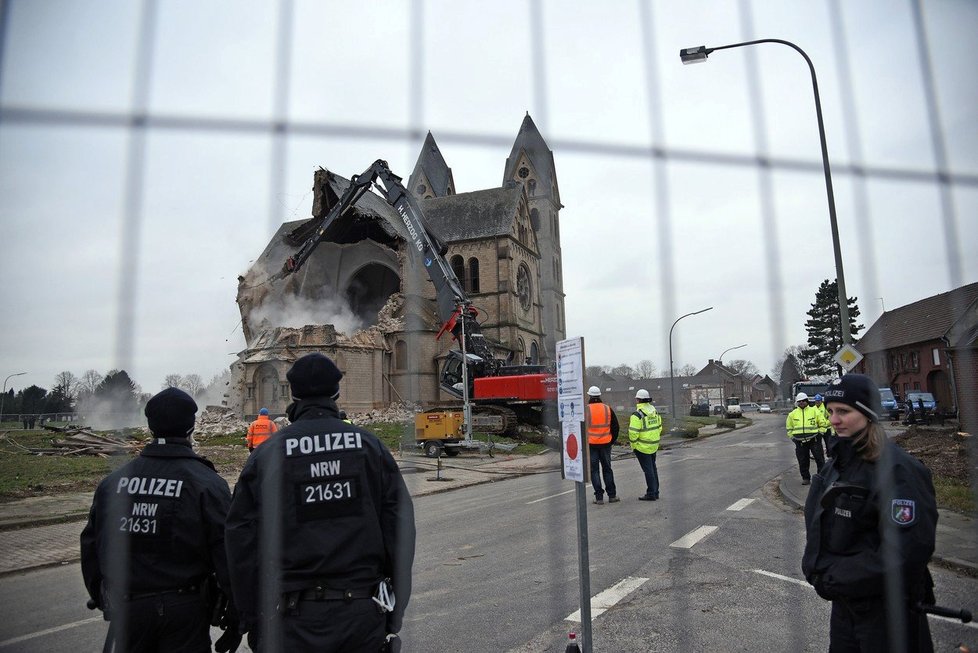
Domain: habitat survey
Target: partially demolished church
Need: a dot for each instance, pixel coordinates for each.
(362, 300)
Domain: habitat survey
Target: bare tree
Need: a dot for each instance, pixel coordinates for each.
(172, 381)
(594, 371)
(193, 384)
(89, 383)
(745, 368)
(646, 369)
(623, 370)
(797, 364)
(687, 370)
(63, 393)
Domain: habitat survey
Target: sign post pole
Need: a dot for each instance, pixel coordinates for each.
(574, 456)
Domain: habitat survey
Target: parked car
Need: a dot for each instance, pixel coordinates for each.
(764, 408)
(699, 410)
(890, 405)
(915, 397)
(749, 406)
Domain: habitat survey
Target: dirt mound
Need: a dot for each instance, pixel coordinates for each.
(942, 449)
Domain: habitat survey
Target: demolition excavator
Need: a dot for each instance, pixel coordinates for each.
(513, 392)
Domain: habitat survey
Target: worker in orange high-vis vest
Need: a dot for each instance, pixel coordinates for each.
(602, 432)
(260, 430)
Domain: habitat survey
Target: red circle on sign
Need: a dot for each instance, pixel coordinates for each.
(572, 448)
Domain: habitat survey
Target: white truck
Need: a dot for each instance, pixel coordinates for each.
(732, 409)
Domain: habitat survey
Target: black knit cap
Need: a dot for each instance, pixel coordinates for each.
(857, 391)
(170, 414)
(314, 375)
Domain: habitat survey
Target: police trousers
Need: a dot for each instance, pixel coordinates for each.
(811, 446)
(161, 624)
(333, 626)
(860, 626)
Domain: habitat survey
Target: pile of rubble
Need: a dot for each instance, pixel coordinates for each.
(387, 322)
(396, 413)
(218, 420)
(79, 441)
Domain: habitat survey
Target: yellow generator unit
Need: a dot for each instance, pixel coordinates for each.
(439, 430)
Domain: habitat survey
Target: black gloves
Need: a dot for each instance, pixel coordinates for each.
(393, 644)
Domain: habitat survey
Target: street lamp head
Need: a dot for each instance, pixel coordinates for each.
(694, 55)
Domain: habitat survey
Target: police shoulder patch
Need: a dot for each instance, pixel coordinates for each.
(903, 511)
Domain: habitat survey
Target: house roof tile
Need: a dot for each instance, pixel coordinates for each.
(927, 319)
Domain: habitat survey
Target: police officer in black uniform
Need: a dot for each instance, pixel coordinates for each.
(319, 519)
(871, 520)
(154, 537)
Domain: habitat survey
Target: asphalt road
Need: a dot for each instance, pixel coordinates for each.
(713, 565)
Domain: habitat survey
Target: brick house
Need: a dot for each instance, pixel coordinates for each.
(930, 345)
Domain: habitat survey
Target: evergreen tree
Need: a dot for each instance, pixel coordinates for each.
(824, 328)
(118, 398)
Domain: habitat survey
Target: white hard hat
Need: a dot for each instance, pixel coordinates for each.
(642, 394)
(801, 396)
(594, 391)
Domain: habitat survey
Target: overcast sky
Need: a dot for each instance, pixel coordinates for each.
(644, 239)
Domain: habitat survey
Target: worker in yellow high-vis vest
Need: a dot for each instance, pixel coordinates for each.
(644, 433)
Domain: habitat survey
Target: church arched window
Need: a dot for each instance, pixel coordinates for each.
(458, 267)
(532, 187)
(473, 285)
(400, 355)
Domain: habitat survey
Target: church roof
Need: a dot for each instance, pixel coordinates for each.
(479, 214)
(531, 141)
(431, 165)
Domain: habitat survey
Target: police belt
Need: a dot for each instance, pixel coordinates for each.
(323, 593)
(196, 588)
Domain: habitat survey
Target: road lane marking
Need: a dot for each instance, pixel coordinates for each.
(785, 578)
(600, 603)
(689, 539)
(740, 505)
(806, 585)
(559, 494)
(47, 631)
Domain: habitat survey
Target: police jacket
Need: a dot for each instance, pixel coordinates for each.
(866, 521)
(161, 516)
(336, 499)
(805, 423)
(645, 429)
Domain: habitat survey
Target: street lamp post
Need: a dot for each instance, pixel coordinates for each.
(4, 394)
(720, 362)
(699, 54)
(672, 383)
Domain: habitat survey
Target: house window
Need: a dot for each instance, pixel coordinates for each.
(458, 267)
(906, 388)
(473, 275)
(916, 385)
(914, 360)
(936, 354)
(400, 355)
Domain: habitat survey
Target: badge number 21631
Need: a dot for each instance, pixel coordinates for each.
(337, 490)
